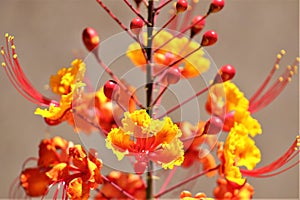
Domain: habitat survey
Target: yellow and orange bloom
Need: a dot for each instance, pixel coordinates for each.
(228, 102)
(130, 183)
(228, 191)
(170, 53)
(239, 150)
(187, 195)
(66, 83)
(193, 141)
(60, 162)
(147, 139)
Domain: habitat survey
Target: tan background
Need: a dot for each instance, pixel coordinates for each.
(251, 33)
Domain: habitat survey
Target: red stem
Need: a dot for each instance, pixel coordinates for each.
(136, 11)
(162, 5)
(118, 188)
(184, 102)
(185, 181)
(115, 78)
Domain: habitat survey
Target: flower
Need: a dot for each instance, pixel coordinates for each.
(129, 183)
(146, 139)
(186, 195)
(193, 142)
(228, 102)
(65, 83)
(228, 191)
(170, 53)
(239, 150)
(60, 162)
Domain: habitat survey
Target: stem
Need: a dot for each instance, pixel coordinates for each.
(159, 95)
(184, 57)
(129, 196)
(149, 87)
(165, 25)
(186, 181)
(181, 32)
(162, 5)
(184, 102)
(136, 11)
(115, 78)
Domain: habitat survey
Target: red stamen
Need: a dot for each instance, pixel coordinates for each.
(267, 80)
(17, 77)
(274, 90)
(264, 171)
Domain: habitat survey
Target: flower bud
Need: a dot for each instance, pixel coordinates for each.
(173, 75)
(90, 38)
(209, 38)
(216, 6)
(181, 6)
(199, 23)
(213, 126)
(140, 167)
(110, 88)
(226, 73)
(136, 25)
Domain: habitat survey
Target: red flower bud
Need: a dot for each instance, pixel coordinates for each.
(110, 88)
(209, 38)
(173, 75)
(216, 6)
(181, 6)
(90, 38)
(136, 25)
(226, 73)
(213, 126)
(199, 23)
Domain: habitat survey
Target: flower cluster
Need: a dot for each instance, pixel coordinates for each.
(138, 132)
(63, 163)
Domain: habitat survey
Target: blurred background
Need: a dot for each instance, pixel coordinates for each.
(48, 36)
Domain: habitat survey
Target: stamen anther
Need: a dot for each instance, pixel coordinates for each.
(15, 56)
(283, 52)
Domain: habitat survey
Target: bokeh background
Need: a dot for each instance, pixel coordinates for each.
(48, 36)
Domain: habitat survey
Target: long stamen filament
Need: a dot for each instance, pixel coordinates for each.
(267, 80)
(115, 78)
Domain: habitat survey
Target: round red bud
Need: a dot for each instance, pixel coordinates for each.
(110, 88)
(136, 25)
(198, 24)
(181, 6)
(185, 193)
(209, 38)
(173, 75)
(140, 167)
(51, 122)
(216, 6)
(90, 38)
(213, 126)
(225, 73)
